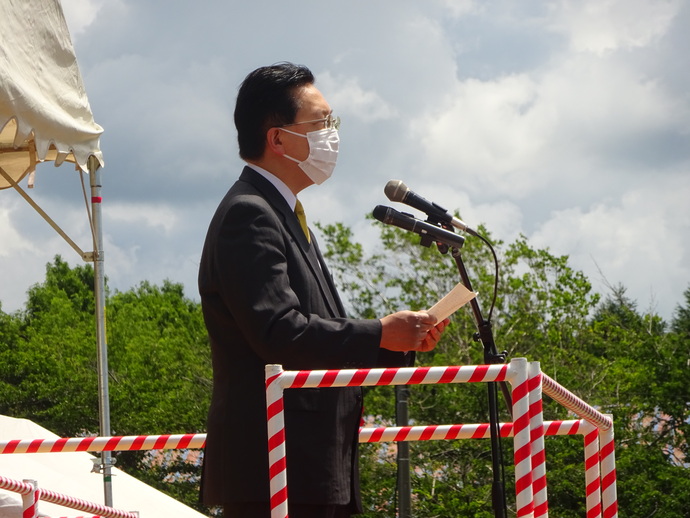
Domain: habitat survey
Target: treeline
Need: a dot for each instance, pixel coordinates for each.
(625, 362)
(159, 368)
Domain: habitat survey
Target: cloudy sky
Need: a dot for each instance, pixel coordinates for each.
(567, 121)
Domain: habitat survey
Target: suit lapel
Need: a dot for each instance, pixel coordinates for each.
(324, 278)
(310, 253)
(328, 279)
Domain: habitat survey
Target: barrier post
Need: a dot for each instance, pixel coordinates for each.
(276, 441)
(592, 472)
(541, 506)
(522, 438)
(30, 500)
(609, 496)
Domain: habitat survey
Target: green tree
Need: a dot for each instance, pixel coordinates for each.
(48, 368)
(160, 381)
(159, 369)
(681, 318)
(605, 352)
(541, 305)
(645, 387)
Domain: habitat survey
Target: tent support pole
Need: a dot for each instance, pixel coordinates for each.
(99, 292)
(37, 208)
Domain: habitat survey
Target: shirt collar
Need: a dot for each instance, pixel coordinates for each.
(283, 189)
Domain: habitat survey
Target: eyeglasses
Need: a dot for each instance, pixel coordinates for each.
(329, 122)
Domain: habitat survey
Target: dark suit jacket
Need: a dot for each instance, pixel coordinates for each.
(267, 297)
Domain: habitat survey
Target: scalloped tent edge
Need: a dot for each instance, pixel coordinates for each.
(44, 111)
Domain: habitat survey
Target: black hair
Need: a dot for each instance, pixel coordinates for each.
(266, 99)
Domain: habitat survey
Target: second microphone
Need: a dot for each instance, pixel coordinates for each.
(390, 216)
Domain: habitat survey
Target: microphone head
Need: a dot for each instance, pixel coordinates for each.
(396, 190)
(381, 213)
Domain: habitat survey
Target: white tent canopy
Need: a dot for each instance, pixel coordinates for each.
(44, 111)
(69, 474)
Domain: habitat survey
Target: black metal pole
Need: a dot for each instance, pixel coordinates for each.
(402, 393)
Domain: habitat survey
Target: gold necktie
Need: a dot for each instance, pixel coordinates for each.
(302, 217)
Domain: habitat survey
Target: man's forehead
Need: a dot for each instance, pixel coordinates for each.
(313, 101)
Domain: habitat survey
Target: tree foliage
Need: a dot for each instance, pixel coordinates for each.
(48, 367)
(606, 352)
(159, 368)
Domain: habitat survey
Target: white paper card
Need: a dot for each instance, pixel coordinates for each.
(454, 300)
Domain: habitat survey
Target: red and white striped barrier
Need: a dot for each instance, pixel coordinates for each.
(575, 404)
(368, 434)
(592, 472)
(277, 470)
(399, 376)
(522, 438)
(30, 500)
(31, 495)
(98, 444)
(458, 431)
(538, 453)
(528, 429)
(605, 458)
(609, 496)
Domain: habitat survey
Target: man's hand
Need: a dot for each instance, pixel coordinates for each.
(411, 331)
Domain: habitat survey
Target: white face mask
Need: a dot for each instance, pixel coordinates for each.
(323, 154)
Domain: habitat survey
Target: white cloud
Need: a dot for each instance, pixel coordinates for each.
(157, 217)
(12, 241)
(638, 240)
(487, 131)
(601, 26)
(503, 219)
(80, 14)
(28, 243)
(514, 135)
(367, 105)
(458, 8)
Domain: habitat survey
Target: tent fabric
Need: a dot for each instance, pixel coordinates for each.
(44, 110)
(69, 473)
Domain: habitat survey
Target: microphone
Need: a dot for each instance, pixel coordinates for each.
(391, 216)
(396, 190)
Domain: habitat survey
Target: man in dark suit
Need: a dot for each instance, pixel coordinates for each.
(267, 297)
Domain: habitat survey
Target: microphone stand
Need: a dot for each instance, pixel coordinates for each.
(484, 335)
(491, 356)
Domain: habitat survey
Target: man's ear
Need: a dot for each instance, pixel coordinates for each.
(274, 142)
